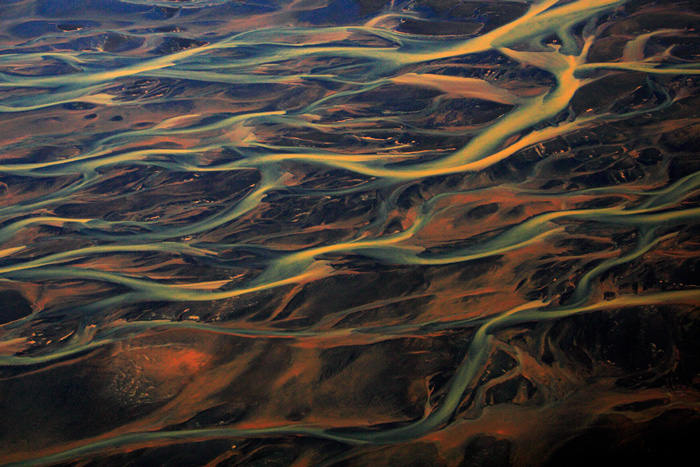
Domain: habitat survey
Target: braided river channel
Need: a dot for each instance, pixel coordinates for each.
(349, 232)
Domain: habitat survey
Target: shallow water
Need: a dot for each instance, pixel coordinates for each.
(349, 232)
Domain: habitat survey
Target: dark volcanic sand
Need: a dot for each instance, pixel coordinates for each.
(349, 232)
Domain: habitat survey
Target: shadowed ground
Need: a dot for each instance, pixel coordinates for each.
(349, 233)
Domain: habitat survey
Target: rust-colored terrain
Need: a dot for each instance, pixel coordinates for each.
(349, 232)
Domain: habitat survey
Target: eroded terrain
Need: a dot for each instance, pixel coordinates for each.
(347, 233)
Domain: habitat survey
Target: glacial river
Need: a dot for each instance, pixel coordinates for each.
(349, 232)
